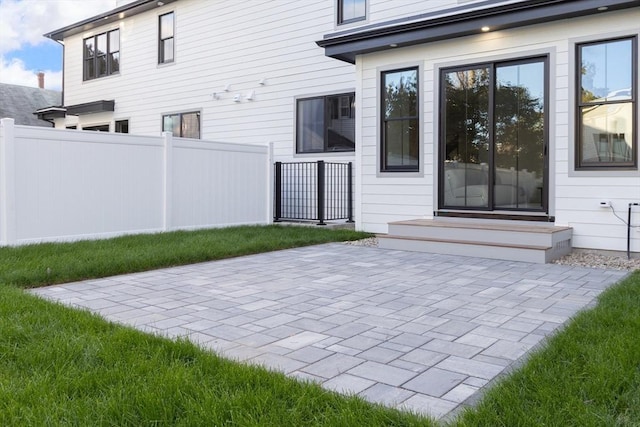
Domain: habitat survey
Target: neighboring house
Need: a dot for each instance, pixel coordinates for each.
(508, 110)
(21, 103)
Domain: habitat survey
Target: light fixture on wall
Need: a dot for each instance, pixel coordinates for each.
(251, 95)
(262, 81)
(215, 96)
(227, 87)
(485, 29)
(237, 97)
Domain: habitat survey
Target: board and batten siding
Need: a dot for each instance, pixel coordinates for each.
(574, 195)
(217, 45)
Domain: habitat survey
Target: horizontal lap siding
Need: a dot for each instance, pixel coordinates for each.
(218, 43)
(574, 198)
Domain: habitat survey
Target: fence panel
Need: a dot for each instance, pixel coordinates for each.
(69, 184)
(313, 191)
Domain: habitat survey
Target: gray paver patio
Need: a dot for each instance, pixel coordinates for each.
(410, 330)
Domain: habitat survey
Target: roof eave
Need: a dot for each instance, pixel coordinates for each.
(346, 46)
(131, 9)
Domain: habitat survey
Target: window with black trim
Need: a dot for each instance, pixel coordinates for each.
(101, 55)
(400, 125)
(122, 126)
(351, 11)
(606, 104)
(185, 125)
(165, 38)
(97, 128)
(325, 124)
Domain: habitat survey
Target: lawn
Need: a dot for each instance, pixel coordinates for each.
(60, 366)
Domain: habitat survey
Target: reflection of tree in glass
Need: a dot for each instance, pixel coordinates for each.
(467, 109)
(519, 128)
(587, 71)
(401, 95)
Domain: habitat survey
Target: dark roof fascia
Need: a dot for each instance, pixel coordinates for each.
(91, 107)
(417, 30)
(50, 113)
(125, 11)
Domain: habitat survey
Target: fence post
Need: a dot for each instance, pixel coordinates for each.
(7, 183)
(320, 192)
(349, 192)
(167, 185)
(278, 192)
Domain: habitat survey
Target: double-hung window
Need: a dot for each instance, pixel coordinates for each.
(101, 55)
(165, 38)
(351, 11)
(399, 128)
(607, 104)
(325, 124)
(185, 125)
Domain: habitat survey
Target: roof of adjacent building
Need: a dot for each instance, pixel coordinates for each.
(20, 102)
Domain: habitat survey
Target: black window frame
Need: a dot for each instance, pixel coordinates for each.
(121, 126)
(95, 58)
(98, 128)
(181, 115)
(342, 21)
(326, 120)
(492, 66)
(384, 167)
(162, 41)
(580, 165)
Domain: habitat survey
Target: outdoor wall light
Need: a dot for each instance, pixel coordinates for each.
(485, 29)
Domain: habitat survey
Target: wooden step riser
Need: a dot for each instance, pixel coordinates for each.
(480, 235)
(539, 256)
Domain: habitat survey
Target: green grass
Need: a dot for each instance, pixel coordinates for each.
(587, 375)
(51, 263)
(60, 366)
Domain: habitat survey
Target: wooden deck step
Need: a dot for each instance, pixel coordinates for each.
(515, 241)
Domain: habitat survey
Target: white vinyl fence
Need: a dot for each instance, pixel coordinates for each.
(58, 185)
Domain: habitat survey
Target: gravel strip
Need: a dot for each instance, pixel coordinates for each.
(581, 258)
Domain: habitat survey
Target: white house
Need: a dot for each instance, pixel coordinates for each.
(510, 112)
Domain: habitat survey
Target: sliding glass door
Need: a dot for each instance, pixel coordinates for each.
(493, 140)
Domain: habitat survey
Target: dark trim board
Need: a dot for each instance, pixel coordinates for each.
(91, 107)
(441, 26)
(496, 216)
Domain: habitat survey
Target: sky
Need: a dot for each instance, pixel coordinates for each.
(24, 50)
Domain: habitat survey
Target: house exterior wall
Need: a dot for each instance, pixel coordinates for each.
(217, 44)
(574, 195)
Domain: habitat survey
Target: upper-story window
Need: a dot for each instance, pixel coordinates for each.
(607, 104)
(101, 55)
(326, 124)
(351, 11)
(184, 125)
(165, 38)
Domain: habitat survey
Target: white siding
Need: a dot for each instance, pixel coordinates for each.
(574, 196)
(219, 44)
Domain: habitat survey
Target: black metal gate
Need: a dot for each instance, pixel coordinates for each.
(314, 191)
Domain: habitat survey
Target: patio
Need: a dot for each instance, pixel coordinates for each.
(416, 331)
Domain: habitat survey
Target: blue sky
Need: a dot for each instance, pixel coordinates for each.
(23, 49)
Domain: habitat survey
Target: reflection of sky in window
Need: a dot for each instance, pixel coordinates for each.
(524, 75)
(352, 9)
(607, 67)
(400, 78)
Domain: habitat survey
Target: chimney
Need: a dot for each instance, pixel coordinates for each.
(41, 80)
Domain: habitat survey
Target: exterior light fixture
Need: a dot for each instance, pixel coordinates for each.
(603, 8)
(485, 29)
(393, 45)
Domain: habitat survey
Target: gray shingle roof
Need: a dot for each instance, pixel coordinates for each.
(20, 102)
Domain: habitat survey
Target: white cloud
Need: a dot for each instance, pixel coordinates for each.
(23, 23)
(14, 72)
